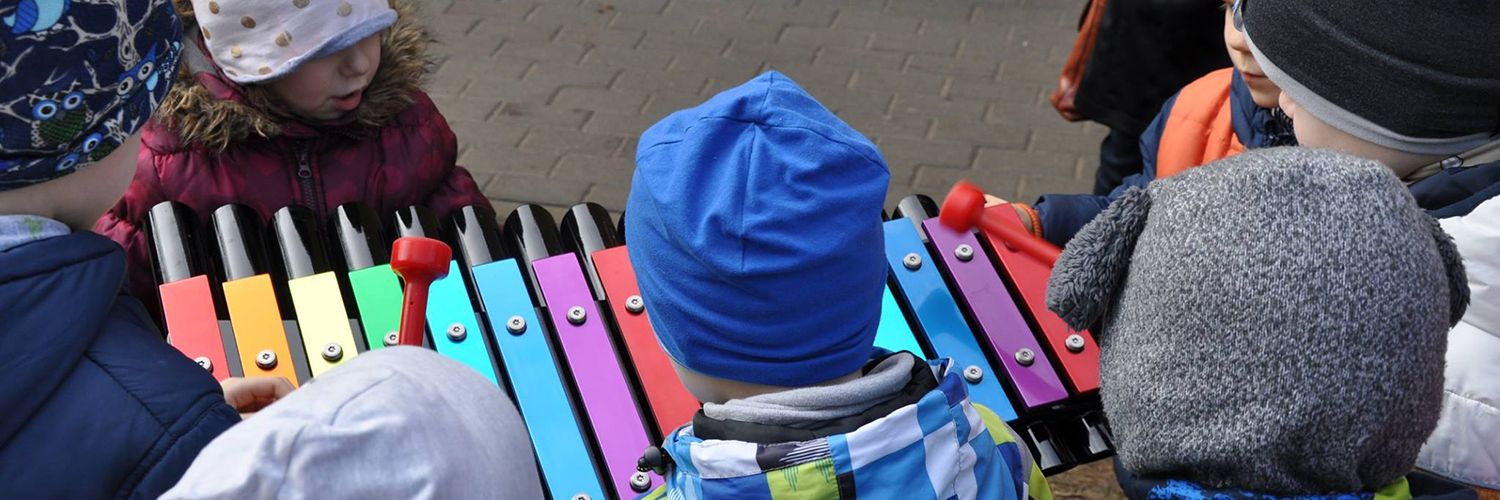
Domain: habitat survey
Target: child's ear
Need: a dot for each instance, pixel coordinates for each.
(1091, 270)
(1458, 280)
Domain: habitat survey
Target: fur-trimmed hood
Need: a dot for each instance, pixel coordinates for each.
(208, 110)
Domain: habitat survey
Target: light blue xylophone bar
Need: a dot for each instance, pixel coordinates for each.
(455, 327)
(894, 333)
(938, 316)
(539, 389)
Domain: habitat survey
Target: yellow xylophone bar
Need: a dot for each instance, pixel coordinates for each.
(316, 298)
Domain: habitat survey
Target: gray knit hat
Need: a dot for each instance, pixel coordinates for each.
(1273, 322)
(1416, 76)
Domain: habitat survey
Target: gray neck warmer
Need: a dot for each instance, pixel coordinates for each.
(822, 403)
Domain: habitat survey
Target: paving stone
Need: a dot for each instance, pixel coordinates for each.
(951, 66)
(1021, 162)
(806, 36)
(629, 125)
(626, 57)
(535, 189)
(814, 14)
(873, 20)
(939, 44)
(820, 76)
(462, 109)
(493, 158)
(599, 99)
(549, 97)
(926, 152)
(685, 81)
(899, 82)
(940, 107)
(530, 114)
(562, 140)
(600, 170)
(545, 51)
(860, 58)
(982, 134)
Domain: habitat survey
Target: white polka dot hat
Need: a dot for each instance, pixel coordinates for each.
(260, 40)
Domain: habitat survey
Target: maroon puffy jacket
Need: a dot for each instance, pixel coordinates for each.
(209, 147)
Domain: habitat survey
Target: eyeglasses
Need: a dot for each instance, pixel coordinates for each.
(1239, 15)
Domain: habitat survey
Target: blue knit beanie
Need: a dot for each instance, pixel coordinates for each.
(754, 229)
(80, 78)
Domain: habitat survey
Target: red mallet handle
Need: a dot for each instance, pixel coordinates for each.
(964, 208)
(419, 261)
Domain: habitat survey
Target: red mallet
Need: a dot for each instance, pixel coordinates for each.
(964, 208)
(419, 261)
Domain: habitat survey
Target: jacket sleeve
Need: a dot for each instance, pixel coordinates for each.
(125, 223)
(457, 189)
(1062, 215)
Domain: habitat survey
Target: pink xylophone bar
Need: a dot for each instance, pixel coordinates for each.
(561, 289)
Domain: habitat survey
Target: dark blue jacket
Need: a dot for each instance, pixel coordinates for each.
(1062, 215)
(93, 404)
(1452, 192)
(1422, 486)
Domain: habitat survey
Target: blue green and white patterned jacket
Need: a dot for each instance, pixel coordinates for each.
(941, 447)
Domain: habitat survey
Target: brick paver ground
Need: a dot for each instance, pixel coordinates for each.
(548, 97)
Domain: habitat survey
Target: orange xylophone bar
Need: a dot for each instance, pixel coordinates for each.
(260, 336)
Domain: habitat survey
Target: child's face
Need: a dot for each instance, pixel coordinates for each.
(1262, 90)
(1313, 132)
(328, 88)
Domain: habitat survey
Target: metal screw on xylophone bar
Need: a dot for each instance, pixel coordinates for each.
(419, 261)
(964, 208)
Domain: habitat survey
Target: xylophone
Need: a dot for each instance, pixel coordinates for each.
(552, 313)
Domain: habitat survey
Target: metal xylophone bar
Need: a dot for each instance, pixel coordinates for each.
(601, 389)
(984, 300)
(260, 335)
(187, 300)
(589, 232)
(451, 317)
(560, 287)
(921, 287)
(374, 287)
(528, 356)
(314, 290)
(998, 318)
(1076, 352)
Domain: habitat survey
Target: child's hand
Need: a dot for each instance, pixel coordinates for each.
(250, 395)
(1025, 215)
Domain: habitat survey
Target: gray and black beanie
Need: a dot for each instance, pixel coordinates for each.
(1415, 76)
(1273, 322)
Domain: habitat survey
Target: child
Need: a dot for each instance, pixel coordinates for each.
(95, 404)
(756, 237)
(1302, 357)
(293, 102)
(402, 422)
(1463, 446)
(1220, 114)
(1426, 108)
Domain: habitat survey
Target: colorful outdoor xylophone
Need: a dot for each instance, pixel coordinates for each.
(553, 315)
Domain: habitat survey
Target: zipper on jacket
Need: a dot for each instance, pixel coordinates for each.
(305, 179)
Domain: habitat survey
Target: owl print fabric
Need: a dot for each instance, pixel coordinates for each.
(80, 76)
